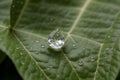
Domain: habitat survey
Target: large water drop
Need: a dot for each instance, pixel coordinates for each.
(56, 39)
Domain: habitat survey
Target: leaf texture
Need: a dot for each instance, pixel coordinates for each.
(2, 57)
(91, 29)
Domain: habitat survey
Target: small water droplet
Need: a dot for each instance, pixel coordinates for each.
(42, 46)
(22, 63)
(74, 46)
(83, 48)
(92, 59)
(21, 54)
(80, 63)
(57, 34)
(58, 75)
(109, 36)
(107, 49)
(48, 68)
(17, 48)
(56, 40)
(37, 41)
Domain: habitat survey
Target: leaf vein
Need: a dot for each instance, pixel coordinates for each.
(82, 10)
(31, 57)
(98, 60)
(21, 13)
(71, 66)
(1, 26)
(29, 33)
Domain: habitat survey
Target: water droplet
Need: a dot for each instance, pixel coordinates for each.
(37, 41)
(17, 48)
(92, 59)
(74, 46)
(50, 66)
(56, 40)
(80, 63)
(109, 36)
(83, 48)
(21, 54)
(42, 46)
(58, 75)
(22, 63)
(107, 49)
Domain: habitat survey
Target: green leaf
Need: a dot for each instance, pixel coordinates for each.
(2, 56)
(4, 12)
(4, 21)
(118, 76)
(91, 29)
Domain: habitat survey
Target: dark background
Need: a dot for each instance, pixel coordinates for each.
(9, 72)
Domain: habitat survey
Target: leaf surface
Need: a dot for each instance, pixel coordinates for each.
(91, 29)
(2, 56)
